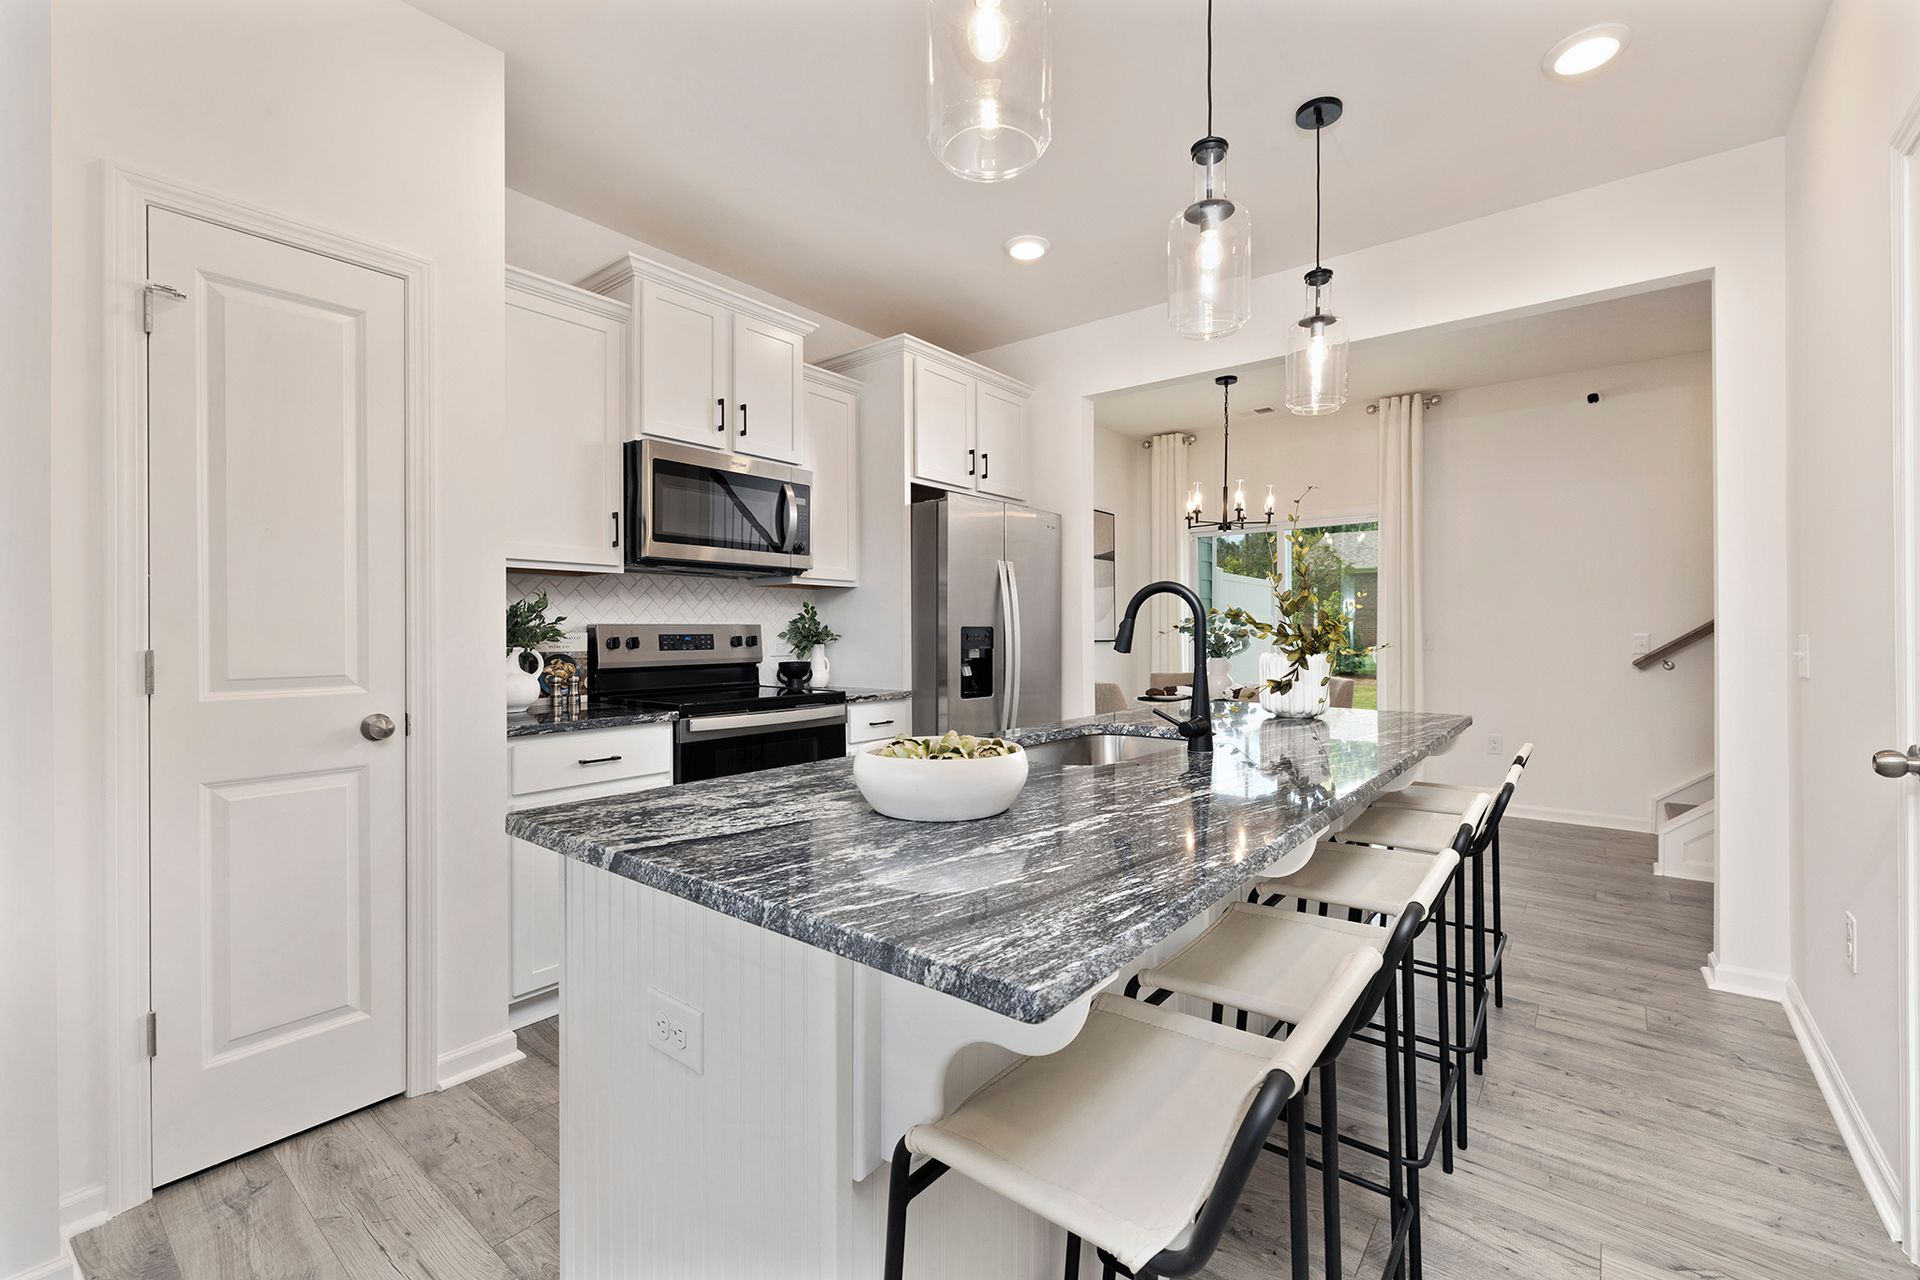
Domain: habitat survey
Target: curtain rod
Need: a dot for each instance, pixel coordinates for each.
(1184, 439)
(1428, 400)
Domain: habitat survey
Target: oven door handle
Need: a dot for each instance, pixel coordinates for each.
(750, 720)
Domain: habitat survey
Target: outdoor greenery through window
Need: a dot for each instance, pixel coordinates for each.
(1342, 559)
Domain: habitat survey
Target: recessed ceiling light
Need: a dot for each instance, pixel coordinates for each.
(1027, 248)
(1585, 52)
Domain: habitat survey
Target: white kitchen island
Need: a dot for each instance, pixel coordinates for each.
(767, 982)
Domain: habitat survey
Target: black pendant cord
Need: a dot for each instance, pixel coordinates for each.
(1209, 68)
(1316, 198)
(1226, 452)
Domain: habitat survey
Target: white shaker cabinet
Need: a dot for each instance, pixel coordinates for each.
(1000, 433)
(566, 389)
(829, 448)
(943, 449)
(710, 366)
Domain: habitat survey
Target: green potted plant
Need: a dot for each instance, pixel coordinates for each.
(527, 629)
(1308, 635)
(807, 638)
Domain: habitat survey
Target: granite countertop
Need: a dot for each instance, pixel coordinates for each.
(596, 716)
(1020, 913)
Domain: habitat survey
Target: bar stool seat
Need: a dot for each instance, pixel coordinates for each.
(1431, 797)
(1267, 960)
(1121, 1136)
(1404, 828)
(1381, 881)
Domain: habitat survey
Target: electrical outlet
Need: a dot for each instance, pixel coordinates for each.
(676, 1030)
(1853, 944)
(1642, 642)
(1494, 746)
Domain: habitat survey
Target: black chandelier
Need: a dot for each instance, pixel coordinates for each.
(1233, 506)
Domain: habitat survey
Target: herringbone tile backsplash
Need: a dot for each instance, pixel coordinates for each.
(659, 598)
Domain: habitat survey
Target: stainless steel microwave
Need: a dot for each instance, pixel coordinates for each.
(694, 510)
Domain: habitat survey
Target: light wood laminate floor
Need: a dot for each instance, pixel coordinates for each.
(1630, 1125)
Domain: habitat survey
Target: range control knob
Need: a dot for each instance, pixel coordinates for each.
(736, 642)
(613, 642)
(633, 642)
(753, 642)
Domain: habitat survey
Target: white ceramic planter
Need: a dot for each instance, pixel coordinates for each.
(1219, 676)
(1308, 696)
(939, 790)
(523, 686)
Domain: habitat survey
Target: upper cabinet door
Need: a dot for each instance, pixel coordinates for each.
(566, 399)
(686, 373)
(766, 408)
(827, 436)
(943, 447)
(1000, 433)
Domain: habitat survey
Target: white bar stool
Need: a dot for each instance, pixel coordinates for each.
(1139, 1136)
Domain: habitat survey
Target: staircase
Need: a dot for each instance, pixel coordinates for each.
(1683, 826)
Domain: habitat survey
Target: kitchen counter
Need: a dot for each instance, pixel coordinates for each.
(598, 716)
(1023, 913)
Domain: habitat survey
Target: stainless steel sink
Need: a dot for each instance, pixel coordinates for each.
(1100, 748)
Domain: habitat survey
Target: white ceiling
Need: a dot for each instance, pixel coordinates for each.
(1597, 335)
(783, 141)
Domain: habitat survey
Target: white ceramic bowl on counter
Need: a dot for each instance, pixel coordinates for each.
(939, 790)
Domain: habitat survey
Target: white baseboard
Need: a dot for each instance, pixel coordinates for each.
(1735, 980)
(532, 1009)
(83, 1209)
(1582, 818)
(478, 1058)
(1883, 1188)
(58, 1268)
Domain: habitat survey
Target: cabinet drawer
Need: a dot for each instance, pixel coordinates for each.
(589, 756)
(872, 721)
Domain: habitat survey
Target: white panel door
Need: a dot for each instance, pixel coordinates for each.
(827, 434)
(566, 418)
(943, 450)
(767, 364)
(278, 831)
(1000, 430)
(686, 369)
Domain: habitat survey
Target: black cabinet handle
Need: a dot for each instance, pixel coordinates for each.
(722, 403)
(616, 527)
(601, 760)
(986, 465)
(743, 419)
(878, 724)
(972, 465)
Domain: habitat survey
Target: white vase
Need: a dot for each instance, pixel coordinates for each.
(523, 686)
(1219, 676)
(817, 659)
(1308, 696)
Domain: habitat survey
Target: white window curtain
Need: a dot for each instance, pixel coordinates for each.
(1401, 621)
(1170, 554)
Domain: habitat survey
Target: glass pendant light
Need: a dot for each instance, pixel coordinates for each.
(1210, 242)
(1317, 350)
(989, 86)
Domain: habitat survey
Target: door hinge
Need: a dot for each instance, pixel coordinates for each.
(146, 671)
(153, 1034)
(146, 302)
(406, 724)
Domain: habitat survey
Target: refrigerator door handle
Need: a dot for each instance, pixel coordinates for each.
(1017, 658)
(1003, 619)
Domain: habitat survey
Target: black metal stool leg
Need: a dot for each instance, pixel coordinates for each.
(1481, 1020)
(1297, 1187)
(1499, 930)
(1072, 1271)
(1330, 1168)
(1410, 1069)
(899, 1195)
(1396, 1174)
(1460, 1018)
(1445, 1025)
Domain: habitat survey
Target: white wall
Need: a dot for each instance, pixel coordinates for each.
(565, 246)
(1863, 81)
(1120, 478)
(371, 119)
(1719, 216)
(1554, 530)
(29, 1142)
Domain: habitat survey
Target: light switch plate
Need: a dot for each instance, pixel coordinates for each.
(1642, 642)
(1495, 745)
(676, 1029)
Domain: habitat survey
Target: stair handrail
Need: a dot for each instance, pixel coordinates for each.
(1664, 654)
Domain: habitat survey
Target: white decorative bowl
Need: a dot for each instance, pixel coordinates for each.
(939, 790)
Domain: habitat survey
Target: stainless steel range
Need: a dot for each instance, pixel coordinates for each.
(709, 676)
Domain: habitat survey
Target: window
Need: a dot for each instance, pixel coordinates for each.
(1235, 569)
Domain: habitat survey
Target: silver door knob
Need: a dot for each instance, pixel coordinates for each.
(377, 727)
(1897, 764)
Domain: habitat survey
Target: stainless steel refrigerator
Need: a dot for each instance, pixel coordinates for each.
(986, 616)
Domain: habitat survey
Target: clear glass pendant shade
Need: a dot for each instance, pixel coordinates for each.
(1209, 253)
(989, 86)
(1317, 352)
